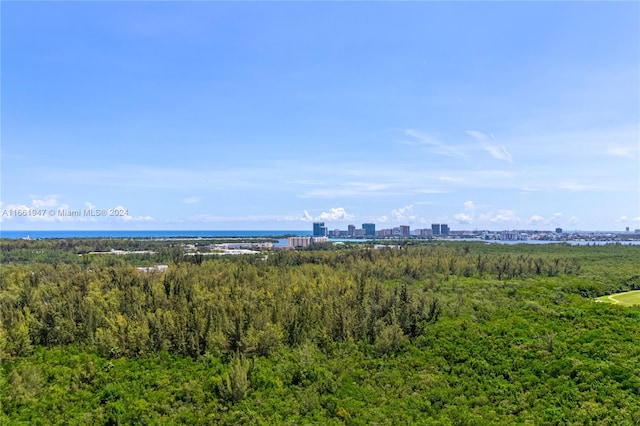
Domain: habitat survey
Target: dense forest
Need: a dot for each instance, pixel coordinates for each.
(429, 333)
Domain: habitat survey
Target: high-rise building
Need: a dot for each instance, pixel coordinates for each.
(405, 231)
(319, 230)
(369, 229)
(351, 229)
(444, 229)
(435, 228)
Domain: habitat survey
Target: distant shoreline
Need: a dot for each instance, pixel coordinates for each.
(36, 235)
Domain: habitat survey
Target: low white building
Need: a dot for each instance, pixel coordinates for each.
(302, 242)
(299, 242)
(157, 268)
(513, 236)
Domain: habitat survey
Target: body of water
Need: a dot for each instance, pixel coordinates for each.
(147, 234)
(247, 234)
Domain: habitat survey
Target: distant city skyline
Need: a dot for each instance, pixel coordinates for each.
(275, 115)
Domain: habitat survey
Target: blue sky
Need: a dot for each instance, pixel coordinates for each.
(220, 115)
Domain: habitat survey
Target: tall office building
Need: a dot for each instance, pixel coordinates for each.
(435, 228)
(444, 229)
(369, 229)
(319, 230)
(351, 230)
(405, 231)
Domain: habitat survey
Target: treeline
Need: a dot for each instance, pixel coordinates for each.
(74, 250)
(427, 334)
(249, 305)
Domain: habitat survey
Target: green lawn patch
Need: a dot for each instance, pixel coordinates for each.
(628, 298)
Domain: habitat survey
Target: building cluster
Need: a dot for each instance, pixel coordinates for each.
(368, 230)
(512, 236)
(322, 234)
(437, 229)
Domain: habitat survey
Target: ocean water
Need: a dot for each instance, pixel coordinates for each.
(146, 234)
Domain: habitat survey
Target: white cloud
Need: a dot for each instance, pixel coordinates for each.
(51, 201)
(40, 210)
(449, 179)
(140, 176)
(403, 213)
(505, 216)
(329, 193)
(50, 210)
(618, 150)
(335, 213)
(430, 191)
(121, 214)
(476, 135)
(225, 220)
(463, 218)
(498, 152)
(192, 200)
(536, 219)
(466, 217)
(435, 146)
(137, 219)
(349, 189)
(581, 187)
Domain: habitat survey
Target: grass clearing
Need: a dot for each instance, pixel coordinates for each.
(628, 298)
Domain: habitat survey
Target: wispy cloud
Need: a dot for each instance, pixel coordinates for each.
(627, 151)
(578, 187)
(192, 200)
(476, 134)
(434, 145)
(449, 179)
(430, 191)
(247, 219)
(140, 176)
(498, 152)
(348, 189)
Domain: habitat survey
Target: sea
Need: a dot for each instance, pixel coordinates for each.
(36, 235)
(277, 235)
